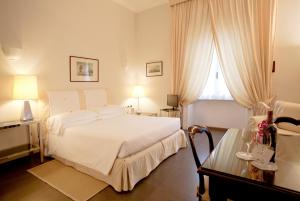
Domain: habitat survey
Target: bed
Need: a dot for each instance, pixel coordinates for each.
(105, 142)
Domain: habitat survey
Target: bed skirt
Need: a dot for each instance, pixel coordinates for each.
(127, 171)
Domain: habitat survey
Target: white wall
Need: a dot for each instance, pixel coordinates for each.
(287, 52)
(153, 44)
(221, 114)
(49, 32)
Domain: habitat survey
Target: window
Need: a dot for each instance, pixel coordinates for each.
(215, 88)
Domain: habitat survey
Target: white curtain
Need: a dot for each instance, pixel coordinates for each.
(215, 88)
(244, 38)
(192, 43)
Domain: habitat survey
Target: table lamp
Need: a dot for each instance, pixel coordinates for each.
(138, 92)
(25, 88)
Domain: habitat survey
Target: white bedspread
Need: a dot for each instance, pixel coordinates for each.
(96, 144)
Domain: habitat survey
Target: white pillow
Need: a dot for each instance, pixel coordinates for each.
(78, 115)
(289, 127)
(57, 123)
(95, 98)
(287, 109)
(63, 101)
(109, 111)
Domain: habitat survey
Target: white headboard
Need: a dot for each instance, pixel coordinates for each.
(63, 101)
(95, 98)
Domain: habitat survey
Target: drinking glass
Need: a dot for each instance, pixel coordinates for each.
(248, 138)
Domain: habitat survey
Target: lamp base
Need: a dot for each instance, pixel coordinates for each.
(26, 114)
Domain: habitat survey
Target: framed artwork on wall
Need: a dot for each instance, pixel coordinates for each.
(84, 69)
(154, 69)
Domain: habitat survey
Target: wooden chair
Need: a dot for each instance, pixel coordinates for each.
(291, 120)
(192, 131)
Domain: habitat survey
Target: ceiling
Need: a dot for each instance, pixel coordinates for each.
(140, 5)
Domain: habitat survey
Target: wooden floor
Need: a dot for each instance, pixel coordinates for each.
(174, 180)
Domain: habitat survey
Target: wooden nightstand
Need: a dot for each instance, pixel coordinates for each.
(11, 154)
(172, 112)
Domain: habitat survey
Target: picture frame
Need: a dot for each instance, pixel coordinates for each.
(154, 69)
(84, 69)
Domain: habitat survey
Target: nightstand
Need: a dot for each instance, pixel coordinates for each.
(172, 112)
(11, 154)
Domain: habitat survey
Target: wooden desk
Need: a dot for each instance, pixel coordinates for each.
(8, 155)
(231, 177)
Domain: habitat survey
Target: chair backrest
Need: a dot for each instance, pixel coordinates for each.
(192, 131)
(287, 120)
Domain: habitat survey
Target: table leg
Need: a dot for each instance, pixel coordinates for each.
(40, 143)
(29, 136)
(216, 190)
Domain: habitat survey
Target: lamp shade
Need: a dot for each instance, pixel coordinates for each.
(25, 87)
(138, 91)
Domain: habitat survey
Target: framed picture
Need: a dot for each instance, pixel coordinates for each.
(154, 69)
(84, 69)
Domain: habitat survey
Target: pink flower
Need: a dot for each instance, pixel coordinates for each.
(261, 127)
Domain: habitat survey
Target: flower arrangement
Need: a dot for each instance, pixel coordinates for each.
(259, 138)
(262, 135)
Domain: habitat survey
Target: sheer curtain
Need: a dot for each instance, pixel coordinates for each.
(244, 38)
(215, 88)
(192, 43)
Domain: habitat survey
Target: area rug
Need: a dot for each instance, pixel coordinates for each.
(74, 184)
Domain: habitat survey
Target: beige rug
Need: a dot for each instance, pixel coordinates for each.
(74, 184)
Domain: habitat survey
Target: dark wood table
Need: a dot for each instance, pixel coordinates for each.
(231, 177)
